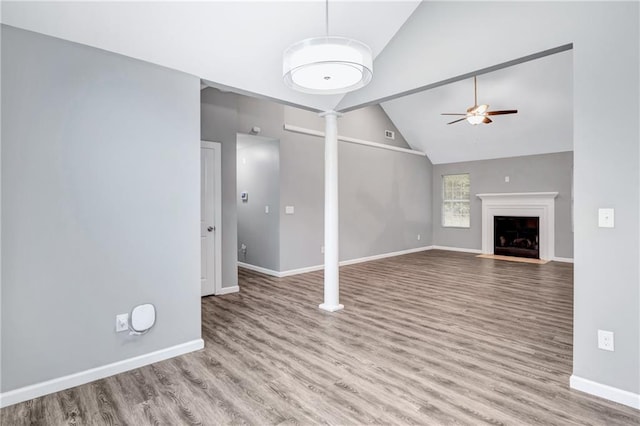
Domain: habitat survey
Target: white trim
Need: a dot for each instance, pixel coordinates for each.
(498, 195)
(533, 204)
(460, 249)
(259, 269)
(605, 391)
(311, 132)
(61, 383)
(563, 259)
(299, 271)
(228, 290)
(314, 268)
(331, 308)
(384, 255)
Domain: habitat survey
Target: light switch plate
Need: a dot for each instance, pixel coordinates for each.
(289, 209)
(605, 218)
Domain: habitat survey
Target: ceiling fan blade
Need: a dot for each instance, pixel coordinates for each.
(460, 119)
(487, 120)
(451, 113)
(506, 111)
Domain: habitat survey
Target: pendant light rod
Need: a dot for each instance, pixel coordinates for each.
(326, 17)
(475, 92)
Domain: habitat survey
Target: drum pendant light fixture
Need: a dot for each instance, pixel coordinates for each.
(327, 65)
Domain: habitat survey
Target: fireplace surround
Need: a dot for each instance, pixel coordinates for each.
(520, 204)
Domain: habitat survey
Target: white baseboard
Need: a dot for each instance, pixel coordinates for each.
(384, 255)
(291, 272)
(228, 290)
(306, 269)
(279, 274)
(463, 250)
(61, 383)
(563, 259)
(259, 269)
(605, 391)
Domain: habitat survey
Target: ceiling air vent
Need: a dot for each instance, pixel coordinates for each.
(389, 134)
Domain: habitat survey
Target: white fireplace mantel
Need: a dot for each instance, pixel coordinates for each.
(523, 204)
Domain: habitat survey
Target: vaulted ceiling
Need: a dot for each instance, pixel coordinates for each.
(541, 91)
(238, 45)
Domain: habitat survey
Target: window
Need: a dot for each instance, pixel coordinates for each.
(455, 201)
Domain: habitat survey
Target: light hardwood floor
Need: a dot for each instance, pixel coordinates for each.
(427, 338)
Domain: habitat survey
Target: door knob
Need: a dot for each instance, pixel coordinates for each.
(210, 229)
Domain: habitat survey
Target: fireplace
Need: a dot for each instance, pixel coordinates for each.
(516, 236)
(539, 205)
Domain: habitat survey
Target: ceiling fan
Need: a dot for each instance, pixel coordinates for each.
(479, 113)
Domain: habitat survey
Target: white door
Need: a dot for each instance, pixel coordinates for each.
(210, 210)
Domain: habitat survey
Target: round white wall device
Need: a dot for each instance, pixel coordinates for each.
(143, 317)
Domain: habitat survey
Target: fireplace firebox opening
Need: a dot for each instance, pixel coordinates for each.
(517, 236)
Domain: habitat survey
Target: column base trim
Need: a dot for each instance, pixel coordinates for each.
(330, 308)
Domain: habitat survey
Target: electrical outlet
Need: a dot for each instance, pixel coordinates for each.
(322, 249)
(605, 340)
(266, 209)
(419, 237)
(122, 322)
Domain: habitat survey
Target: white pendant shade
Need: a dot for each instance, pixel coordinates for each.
(327, 65)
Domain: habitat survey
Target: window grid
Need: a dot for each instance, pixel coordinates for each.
(456, 201)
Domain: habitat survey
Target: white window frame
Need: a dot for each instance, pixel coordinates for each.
(445, 201)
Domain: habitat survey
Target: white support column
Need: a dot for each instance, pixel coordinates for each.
(331, 233)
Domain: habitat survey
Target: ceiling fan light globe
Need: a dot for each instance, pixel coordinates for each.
(475, 119)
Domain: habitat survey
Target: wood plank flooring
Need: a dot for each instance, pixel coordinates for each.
(428, 338)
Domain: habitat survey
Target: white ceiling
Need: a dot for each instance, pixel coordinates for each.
(238, 45)
(233, 43)
(541, 91)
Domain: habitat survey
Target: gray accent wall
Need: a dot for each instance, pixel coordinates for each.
(100, 206)
(382, 209)
(258, 168)
(532, 173)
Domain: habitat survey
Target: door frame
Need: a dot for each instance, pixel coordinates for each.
(217, 209)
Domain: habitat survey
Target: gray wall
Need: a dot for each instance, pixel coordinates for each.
(100, 206)
(533, 173)
(382, 209)
(378, 191)
(607, 174)
(258, 168)
(218, 123)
